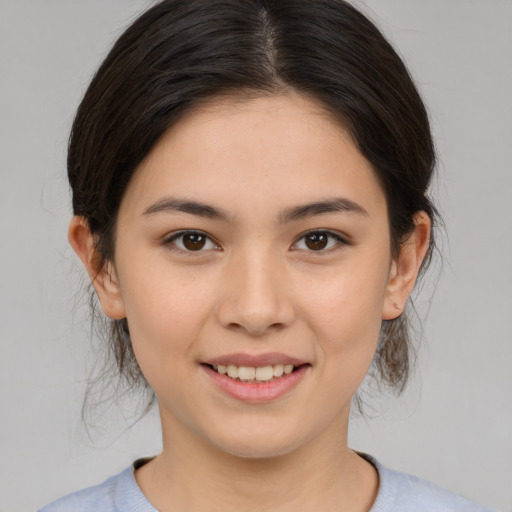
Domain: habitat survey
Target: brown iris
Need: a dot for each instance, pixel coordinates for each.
(194, 241)
(316, 241)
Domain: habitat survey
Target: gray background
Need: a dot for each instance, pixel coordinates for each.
(454, 424)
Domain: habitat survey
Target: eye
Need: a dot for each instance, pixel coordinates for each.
(318, 241)
(191, 241)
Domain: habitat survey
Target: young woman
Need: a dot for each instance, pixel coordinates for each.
(250, 195)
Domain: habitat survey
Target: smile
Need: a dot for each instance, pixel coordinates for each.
(256, 384)
(254, 374)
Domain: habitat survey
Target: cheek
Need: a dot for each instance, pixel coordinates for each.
(165, 316)
(345, 311)
(347, 333)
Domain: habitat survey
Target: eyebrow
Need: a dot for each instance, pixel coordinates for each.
(174, 205)
(334, 205)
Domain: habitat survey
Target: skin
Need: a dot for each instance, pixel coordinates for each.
(255, 287)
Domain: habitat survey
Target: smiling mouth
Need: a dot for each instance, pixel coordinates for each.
(254, 374)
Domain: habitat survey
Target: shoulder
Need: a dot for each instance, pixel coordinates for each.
(400, 492)
(118, 493)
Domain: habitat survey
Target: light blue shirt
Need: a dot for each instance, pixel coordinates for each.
(398, 492)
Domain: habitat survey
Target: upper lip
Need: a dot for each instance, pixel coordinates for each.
(257, 360)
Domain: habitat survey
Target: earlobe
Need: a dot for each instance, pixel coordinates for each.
(103, 277)
(404, 270)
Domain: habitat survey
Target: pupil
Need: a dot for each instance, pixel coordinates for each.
(316, 241)
(194, 241)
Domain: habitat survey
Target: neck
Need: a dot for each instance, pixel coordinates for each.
(324, 474)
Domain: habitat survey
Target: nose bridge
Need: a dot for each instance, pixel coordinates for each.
(256, 296)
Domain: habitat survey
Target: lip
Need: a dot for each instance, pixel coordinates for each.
(257, 392)
(267, 359)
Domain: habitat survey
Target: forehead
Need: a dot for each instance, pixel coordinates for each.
(260, 153)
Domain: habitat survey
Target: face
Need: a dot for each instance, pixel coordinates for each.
(253, 240)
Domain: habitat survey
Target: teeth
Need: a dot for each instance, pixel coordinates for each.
(248, 373)
(233, 371)
(278, 370)
(264, 373)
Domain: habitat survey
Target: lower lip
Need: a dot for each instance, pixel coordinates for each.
(257, 392)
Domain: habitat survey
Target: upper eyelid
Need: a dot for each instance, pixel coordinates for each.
(341, 241)
(336, 234)
(181, 232)
(176, 234)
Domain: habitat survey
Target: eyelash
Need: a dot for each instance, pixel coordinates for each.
(338, 239)
(170, 241)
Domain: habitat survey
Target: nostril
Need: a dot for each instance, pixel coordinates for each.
(255, 327)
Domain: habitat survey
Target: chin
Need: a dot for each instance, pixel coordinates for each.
(254, 451)
(258, 443)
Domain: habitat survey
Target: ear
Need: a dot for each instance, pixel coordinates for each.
(104, 279)
(404, 270)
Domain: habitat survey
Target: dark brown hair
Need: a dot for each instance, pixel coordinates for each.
(181, 52)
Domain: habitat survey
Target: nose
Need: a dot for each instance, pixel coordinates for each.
(255, 295)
